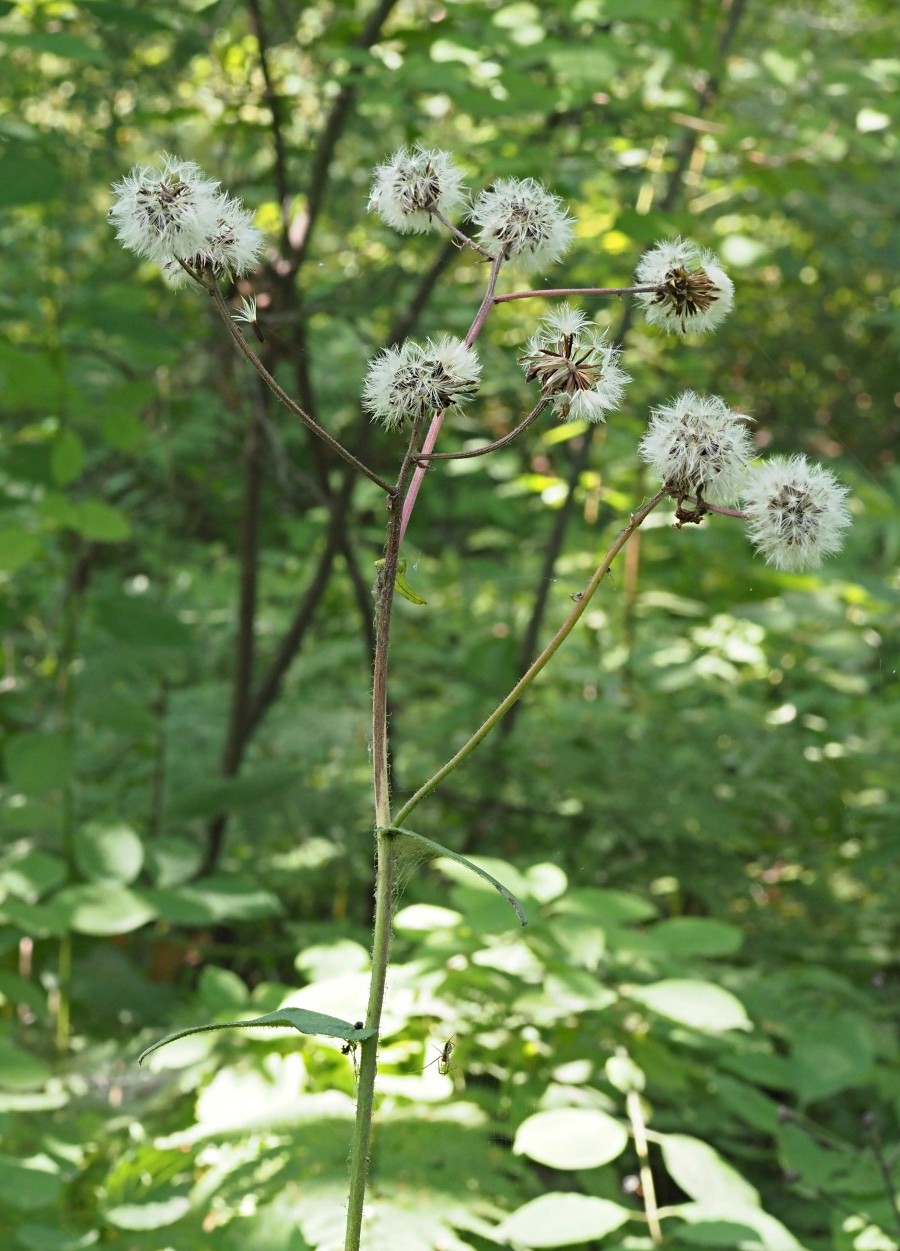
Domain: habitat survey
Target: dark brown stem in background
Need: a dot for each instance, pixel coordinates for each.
(273, 101)
(732, 11)
(291, 641)
(577, 466)
(244, 645)
(320, 170)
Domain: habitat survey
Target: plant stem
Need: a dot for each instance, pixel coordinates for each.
(556, 291)
(437, 420)
(386, 857)
(637, 520)
(639, 1130)
(461, 237)
(497, 444)
(244, 347)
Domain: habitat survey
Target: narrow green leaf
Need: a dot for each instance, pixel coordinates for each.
(301, 1019)
(438, 849)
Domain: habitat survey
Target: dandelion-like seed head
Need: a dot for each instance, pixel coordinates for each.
(412, 186)
(521, 220)
(231, 247)
(576, 366)
(174, 213)
(411, 382)
(796, 512)
(699, 447)
(694, 293)
(166, 211)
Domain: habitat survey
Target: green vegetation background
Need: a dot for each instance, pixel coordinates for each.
(698, 802)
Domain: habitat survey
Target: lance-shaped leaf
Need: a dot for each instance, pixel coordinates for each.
(432, 850)
(296, 1018)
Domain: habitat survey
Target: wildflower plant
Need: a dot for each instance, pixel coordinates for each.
(696, 445)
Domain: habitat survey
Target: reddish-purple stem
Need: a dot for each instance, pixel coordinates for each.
(437, 420)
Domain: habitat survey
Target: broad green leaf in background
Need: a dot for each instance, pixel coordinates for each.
(29, 1184)
(561, 1219)
(571, 1138)
(38, 762)
(704, 1175)
(103, 908)
(108, 853)
(701, 1005)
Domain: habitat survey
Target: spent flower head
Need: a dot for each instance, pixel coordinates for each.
(575, 365)
(521, 220)
(165, 211)
(698, 446)
(796, 512)
(174, 213)
(695, 294)
(410, 187)
(410, 382)
(231, 247)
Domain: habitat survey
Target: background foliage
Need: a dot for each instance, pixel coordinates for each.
(696, 803)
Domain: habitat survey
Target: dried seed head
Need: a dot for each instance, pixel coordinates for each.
(694, 293)
(521, 220)
(575, 365)
(411, 382)
(796, 512)
(412, 186)
(698, 446)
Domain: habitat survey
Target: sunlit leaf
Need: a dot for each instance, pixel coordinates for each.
(561, 1220)
(571, 1138)
(701, 1005)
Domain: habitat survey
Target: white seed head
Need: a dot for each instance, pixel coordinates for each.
(412, 185)
(576, 366)
(167, 211)
(695, 294)
(411, 382)
(521, 220)
(698, 446)
(231, 247)
(796, 512)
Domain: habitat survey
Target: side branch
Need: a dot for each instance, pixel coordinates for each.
(329, 440)
(554, 291)
(637, 520)
(496, 445)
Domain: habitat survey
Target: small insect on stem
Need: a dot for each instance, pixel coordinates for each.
(442, 1059)
(349, 1047)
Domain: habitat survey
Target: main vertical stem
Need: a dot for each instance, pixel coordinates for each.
(385, 858)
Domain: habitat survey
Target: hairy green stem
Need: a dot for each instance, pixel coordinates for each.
(386, 856)
(636, 521)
